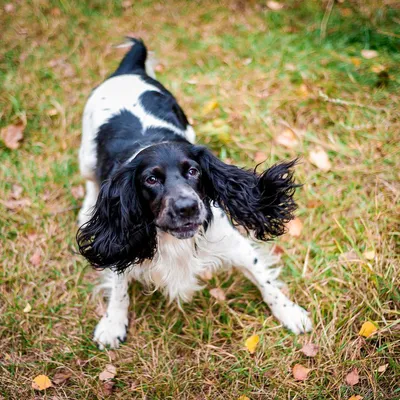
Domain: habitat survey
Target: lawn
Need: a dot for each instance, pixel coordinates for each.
(246, 73)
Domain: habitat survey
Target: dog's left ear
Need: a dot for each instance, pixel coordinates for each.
(262, 203)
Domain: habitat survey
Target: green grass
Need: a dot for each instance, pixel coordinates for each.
(264, 68)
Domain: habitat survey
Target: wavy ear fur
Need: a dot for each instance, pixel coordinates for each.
(119, 233)
(262, 203)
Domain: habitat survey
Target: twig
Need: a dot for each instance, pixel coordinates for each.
(325, 19)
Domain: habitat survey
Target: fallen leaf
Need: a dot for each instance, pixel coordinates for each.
(36, 258)
(259, 157)
(81, 363)
(108, 388)
(368, 54)
(112, 355)
(218, 293)
(274, 5)
(294, 227)
(109, 372)
(310, 349)
(12, 135)
(287, 138)
(355, 61)
(378, 68)
(243, 397)
(78, 192)
(383, 368)
(209, 106)
(367, 329)
(55, 12)
(9, 8)
(278, 250)
(159, 68)
(27, 308)
(300, 372)
(369, 255)
(251, 343)
(61, 377)
(126, 4)
(41, 382)
(352, 378)
(16, 191)
(350, 255)
(314, 203)
(356, 397)
(16, 204)
(320, 159)
(206, 275)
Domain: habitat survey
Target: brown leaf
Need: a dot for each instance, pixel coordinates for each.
(206, 275)
(12, 135)
(287, 138)
(109, 372)
(368, 54)
(259, 157)
(383, 368)
(294, 227)
(320, 159)
(108, 388)
(36, 258)
(310, 349)
(16, 204)
(78, 192)
(352, 378)
(300, 373)
(159, 68)
(16, 191)
(55, 12)
(9, 8)
(274, 5)
(61, 376)
(278, 250)
(81, 363)
(350, 255)
(218, 293)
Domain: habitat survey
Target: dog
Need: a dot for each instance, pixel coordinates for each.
(163, 210)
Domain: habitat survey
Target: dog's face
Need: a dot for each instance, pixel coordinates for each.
(171, 186)
(170, 183)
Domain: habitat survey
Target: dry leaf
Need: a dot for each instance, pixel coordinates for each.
(356, 397)
(259, 157)
(243, 397)
(300, 372)
(378, 68)
(61, 376)
(369, 255)
(108, 388)
(320, 159)
(12, 135)
(55, 12)
(78, 192)
(16, 191)
(218, 293)
(41, 382)
(278, 250)
(81, 363)
(355, 61)
(367, 329)
(36, 258)
(209, 106)
(352, 378)
(350, 255)
(383, 368)
(251, 343)
(16, 204)
(294, 227)
(274, 5)
(368, 54)
(109, 372)
(206, 275)
(27, 308)
(9, 8)
(159, 68)
(287, 138)
(310, 349)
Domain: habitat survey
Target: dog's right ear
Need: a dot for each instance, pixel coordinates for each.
(120, 233)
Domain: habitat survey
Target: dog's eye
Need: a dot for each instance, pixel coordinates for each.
(151, 180)
(193, 172)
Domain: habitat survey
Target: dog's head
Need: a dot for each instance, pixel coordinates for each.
(170, 186)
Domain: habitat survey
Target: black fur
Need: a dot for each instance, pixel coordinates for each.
(262, 203)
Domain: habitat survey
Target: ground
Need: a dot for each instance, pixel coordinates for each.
(245, 72)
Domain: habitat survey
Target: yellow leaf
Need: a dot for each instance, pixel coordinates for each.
(320, 159)
(369, 255)
(355, 61)
(367, 329)
(41, 382)
(209, 106)
(287, 138)
(294, 227)
(251, 343)
(27, 308)
(243, 398)
(356, 397)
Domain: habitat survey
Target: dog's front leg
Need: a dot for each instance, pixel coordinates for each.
(112, 328)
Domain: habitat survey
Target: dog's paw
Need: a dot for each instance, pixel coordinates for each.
(293, 317)
(111, 330)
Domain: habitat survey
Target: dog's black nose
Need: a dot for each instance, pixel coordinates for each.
(186, 207)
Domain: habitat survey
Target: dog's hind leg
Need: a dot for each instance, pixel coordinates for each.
(111, 329)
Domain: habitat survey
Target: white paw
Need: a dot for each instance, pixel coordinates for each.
(293, 317)
(111, 330)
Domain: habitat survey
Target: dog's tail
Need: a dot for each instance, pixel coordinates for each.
(135, 60)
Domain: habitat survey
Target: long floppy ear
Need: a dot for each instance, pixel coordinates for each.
(119, 233)
(262, 203)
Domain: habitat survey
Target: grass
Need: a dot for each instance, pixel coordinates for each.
(299, 67)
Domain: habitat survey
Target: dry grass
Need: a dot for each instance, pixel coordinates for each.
(264, 69)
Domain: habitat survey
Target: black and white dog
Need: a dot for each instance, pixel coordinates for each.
(162, 210)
